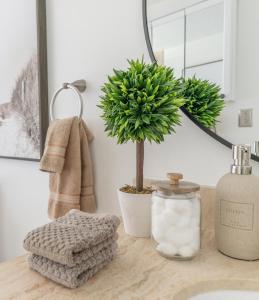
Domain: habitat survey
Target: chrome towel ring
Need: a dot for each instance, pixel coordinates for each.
(78, 86)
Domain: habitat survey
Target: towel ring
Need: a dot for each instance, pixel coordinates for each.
(78, 86)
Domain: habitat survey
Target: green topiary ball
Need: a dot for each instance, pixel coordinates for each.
(202, 100)
(141, 103)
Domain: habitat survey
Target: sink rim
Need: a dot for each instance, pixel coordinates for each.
(207, 286)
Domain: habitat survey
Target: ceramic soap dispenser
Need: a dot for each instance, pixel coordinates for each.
(237, 208)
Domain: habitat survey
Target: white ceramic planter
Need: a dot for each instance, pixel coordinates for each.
(136, 213)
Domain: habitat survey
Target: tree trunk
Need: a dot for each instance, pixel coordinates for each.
(139, 165)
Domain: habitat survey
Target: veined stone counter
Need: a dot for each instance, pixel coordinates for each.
(138, 272)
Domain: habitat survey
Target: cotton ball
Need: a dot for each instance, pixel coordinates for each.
(184, 210)
(171, 217)
(158, 205)
(158, 235)
(158, 201)
(196, 207)
(158, 228)
(179, 237)
(167, 249)
(196, 237)
(186, 251)
(195, 242)
(183, 204)
(184, 221)
(196, 215)
(170, 204)
(183, 207)
(157, 209)
(158, 223)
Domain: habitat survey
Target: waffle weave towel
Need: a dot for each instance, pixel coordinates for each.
(72, 277)
(73, 238)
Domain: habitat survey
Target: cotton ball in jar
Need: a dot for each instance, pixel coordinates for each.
(157, 209)
(158, 205)
(171, 218)
(186, 251)
(158, 201)
(179, 237)
(170, 204)
(196, 207)
(184, 221)
(158, 228)
(197, 236)
(167, 249)
(196, 213)
(183, 207)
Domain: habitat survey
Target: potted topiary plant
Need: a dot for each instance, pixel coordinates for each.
(141, 103)
(202, 100)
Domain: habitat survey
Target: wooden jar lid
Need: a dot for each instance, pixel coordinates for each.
(175, 186)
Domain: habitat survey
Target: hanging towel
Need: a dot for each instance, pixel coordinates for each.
(73, 238)
(67, 158)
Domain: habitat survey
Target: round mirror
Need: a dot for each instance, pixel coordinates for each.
(212, 45)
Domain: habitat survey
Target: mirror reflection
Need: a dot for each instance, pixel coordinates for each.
(216, 41)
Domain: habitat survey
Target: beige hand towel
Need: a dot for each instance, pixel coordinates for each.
(75, 276)
(73, 238)
(67, 158)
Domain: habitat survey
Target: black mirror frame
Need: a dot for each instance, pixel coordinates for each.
(196, 122)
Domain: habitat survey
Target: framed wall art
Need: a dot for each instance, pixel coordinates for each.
(23, 79)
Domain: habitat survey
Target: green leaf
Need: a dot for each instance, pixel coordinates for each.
(141, 102)
(137, 123)
(202, 100)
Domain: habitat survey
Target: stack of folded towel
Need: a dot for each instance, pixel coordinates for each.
(74, 247)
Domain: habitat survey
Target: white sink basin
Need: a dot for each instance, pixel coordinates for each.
(227, 295)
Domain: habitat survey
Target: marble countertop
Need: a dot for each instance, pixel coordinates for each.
(138, 272)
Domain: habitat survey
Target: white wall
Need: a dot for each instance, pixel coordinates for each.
(86, 39)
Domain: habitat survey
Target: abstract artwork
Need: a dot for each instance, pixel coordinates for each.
(23, 79)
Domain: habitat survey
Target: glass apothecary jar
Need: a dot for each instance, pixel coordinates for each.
(176, 215)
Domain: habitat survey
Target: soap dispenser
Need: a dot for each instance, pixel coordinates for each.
(237, 208)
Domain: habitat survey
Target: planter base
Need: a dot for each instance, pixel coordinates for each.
(136, 213)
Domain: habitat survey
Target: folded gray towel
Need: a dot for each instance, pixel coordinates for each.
(73, 237)
(72, 277)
